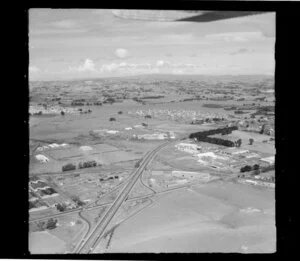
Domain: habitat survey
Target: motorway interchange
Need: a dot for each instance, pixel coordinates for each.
(92, 238)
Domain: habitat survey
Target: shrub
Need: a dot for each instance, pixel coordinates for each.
(49, 191)
(255, 167)
(41, 225)
(51, 224)
(87, 164)
(61, 207)
(69, 167)
(239, 143)
(246, 168)
(112, 119)
(77, 200)
(120, 112)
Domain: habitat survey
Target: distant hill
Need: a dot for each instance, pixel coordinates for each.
(263, 82)
(167, 77)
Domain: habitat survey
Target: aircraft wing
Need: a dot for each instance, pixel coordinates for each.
(188, 16)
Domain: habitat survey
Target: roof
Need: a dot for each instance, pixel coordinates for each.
(270, 159)
(187, 144)
(234, 150)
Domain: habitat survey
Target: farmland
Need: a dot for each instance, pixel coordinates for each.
(118, 130)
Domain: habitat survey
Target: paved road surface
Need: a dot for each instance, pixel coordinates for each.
(93, 239)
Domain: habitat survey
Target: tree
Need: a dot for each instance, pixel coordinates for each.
(246, 168)
(62, 113)
(77, 200)
(239, 142)
(69, 166)
(255, 167)
(61, 207)
(41, 225)
(251, 141)
(51, 224)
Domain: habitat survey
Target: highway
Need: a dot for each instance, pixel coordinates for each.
(88, 245)
(92, 238)
(65, 213)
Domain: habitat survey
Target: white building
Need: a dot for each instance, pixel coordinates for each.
(210, 154)
(270, 160)
(234, 151)
(53, 145)
(188, 147)
(155, 136)
(252, 155)
(41, 158)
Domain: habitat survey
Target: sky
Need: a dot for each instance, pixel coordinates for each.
(77, 43)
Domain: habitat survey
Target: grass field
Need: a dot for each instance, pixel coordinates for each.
(202, 219)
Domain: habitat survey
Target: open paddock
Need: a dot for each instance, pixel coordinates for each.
(53, 200)
(190, 220)
(45, 243)
(42, 213)
(264, 149)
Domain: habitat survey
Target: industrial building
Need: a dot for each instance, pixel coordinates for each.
(234, 151)
(270, 160)
(188, 147)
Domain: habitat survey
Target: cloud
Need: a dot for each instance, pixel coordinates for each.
(125, 67)
(121, 53)
(56, 31)
(109, 67)
(34, 69)
(166, 64)
(177, 71)
(66, 24)
(176, 38)
(162, 63)
(87, 66)
(235, 36)
(241, 50)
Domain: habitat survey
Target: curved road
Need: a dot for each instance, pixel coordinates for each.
(93, 239)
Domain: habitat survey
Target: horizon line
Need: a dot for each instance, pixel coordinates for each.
(155, 74)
